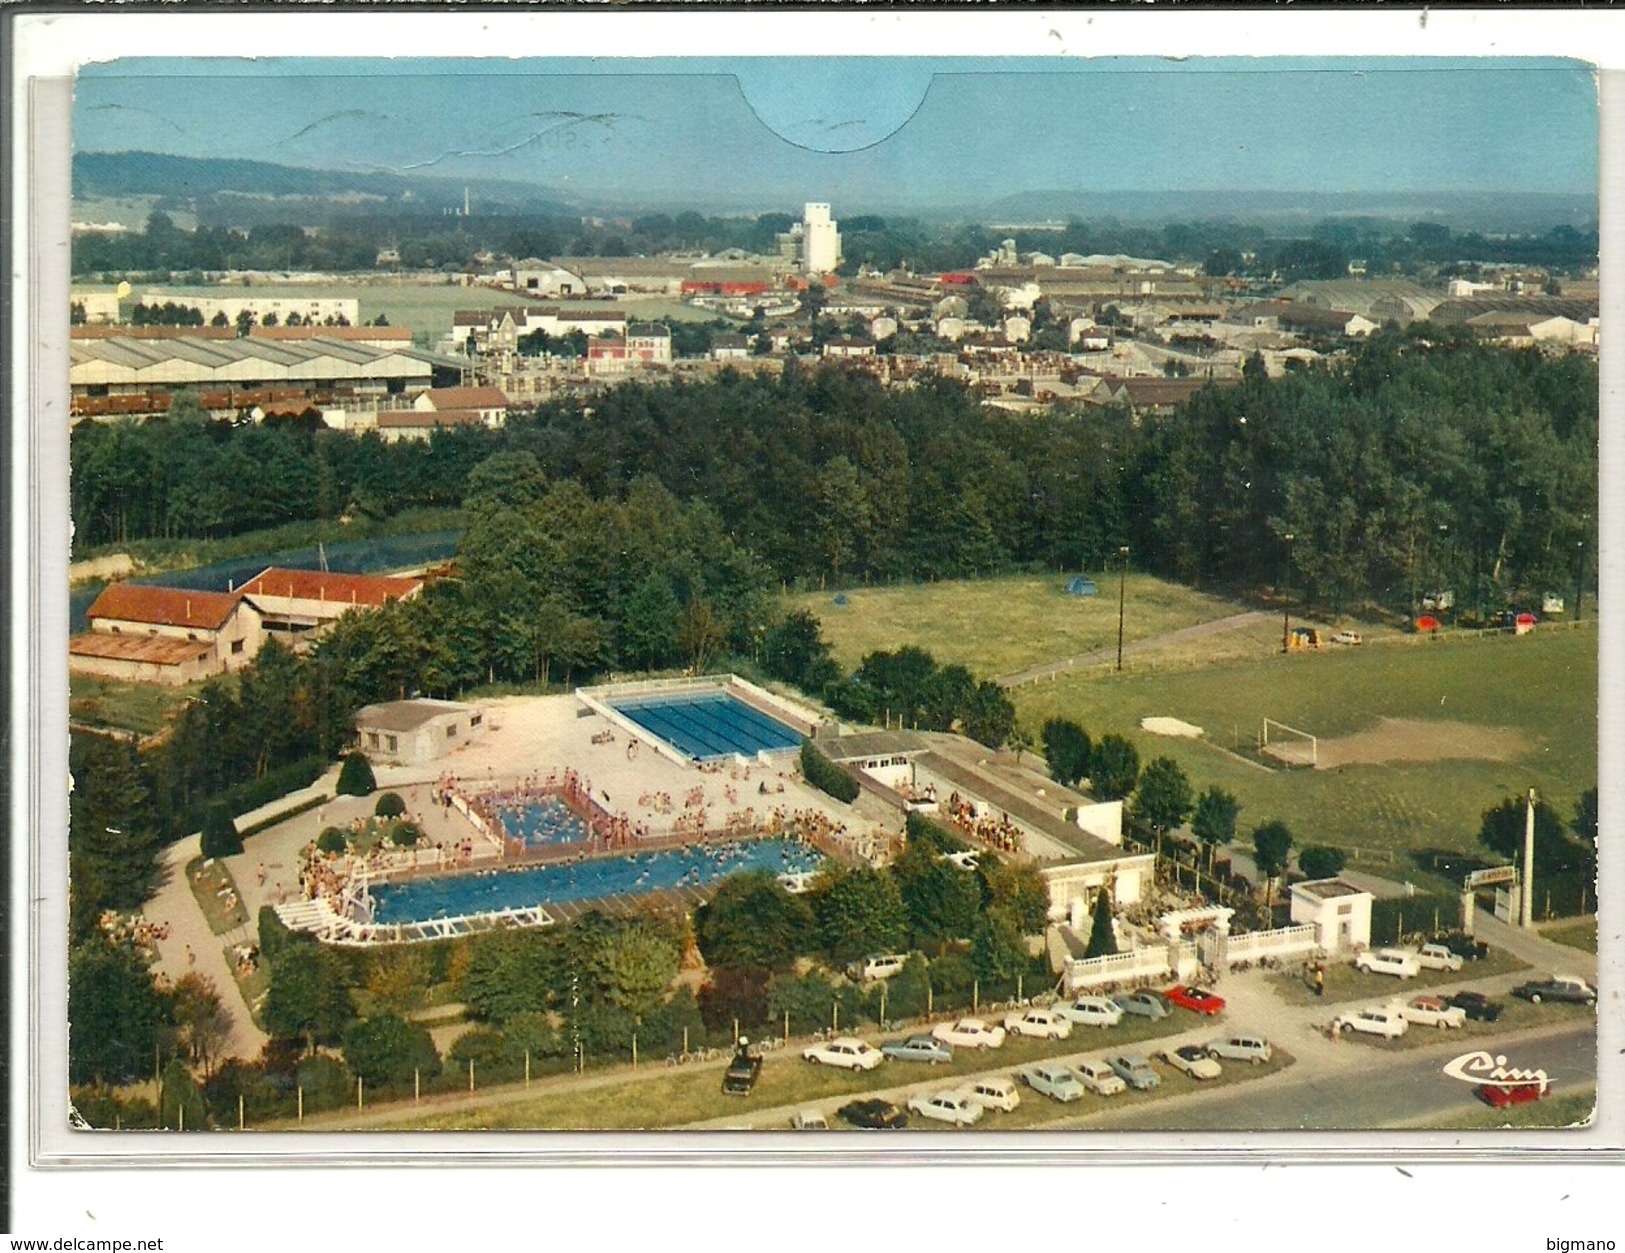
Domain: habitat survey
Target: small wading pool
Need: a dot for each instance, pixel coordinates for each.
(708, 725)
(547, 821)
(636, 874)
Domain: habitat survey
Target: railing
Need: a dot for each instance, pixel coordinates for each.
(1281, 942)
(1140, 963)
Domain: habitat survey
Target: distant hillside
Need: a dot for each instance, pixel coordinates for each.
(1480, 211)
(208, 180)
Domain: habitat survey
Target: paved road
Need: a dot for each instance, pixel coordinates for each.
(1133, 648)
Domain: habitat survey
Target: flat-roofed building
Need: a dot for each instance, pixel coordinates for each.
(412, 732)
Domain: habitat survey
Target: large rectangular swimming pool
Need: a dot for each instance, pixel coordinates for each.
(636, 874)
(708, 725)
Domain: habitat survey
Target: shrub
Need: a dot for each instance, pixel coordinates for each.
(325, 1082)
(921, 830)
(386, 1050)
(355, 778)
(333, 840)
(1321, 861)
(220, 838)
(390, 805)
(490, 1051)
(404, 834)
(825, 775)
(180, 1101)
(274, 933)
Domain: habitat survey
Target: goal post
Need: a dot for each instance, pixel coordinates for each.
(1288, 744)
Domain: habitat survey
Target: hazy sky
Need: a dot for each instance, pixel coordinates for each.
(880, 129)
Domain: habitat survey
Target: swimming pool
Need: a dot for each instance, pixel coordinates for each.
(708, 725)
(546, 821)
(633, 875)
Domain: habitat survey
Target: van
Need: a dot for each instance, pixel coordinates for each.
(879, 966)
(1241, 1048)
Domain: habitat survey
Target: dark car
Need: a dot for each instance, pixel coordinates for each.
(743, 1072)
(873, 1115)
(1463, 946)
(1476, 1005)
(1558, 988)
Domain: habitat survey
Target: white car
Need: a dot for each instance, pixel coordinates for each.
(808, 1120)
(1099, 1078)
(1347, 637)
(1438, 957)
(1053, 1080)
(950, 1107)
(995, 1092)
(880, 966)
(969, 1033)
(1090, 1011)
(1430, 1011)
(1242, 1048)
(1380, 1020)
(1193, 1059)
(1389, 961)
(847, 1053)
(1043, 1023)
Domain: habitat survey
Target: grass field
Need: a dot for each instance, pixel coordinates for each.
(1543, 686)
(1580, 935)
(998, 626)
(1561, 1109)
(140, 708)
(1346, 983)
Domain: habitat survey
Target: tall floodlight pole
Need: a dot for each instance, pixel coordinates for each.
(1122, 571)
(1527, 914)
(1286, 598)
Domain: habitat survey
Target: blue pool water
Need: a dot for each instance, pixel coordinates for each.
(709, 725)
(633, 875)
(542, 822)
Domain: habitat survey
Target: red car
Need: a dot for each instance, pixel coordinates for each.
(1195, 1000)
(1500, 1095)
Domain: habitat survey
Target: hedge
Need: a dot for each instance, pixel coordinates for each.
(825, 775)
(265, 824)
(921, 830)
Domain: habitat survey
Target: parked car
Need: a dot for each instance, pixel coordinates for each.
(1475, 1005)
(1380, 1020)
(1090, 1011)
(1145, 1003)
(1568, 988)
(1052, 1080)
(1194, 1060)
(1389, 961)
(743, 1072)
(1242, 1048)
(918, 1048)
(845, 1052)
(1135, 1071)
(995, 1092)
(808, 1120)
(1500, 1095)
(1348, 637)
(1432, 1011)
(1438, 957)
(1197, 1000)
(949, 1107)
(873, 1115)
(1463, 945)
(969, 1033)
(1099, 1078)
(878, 966)
(1042, 1023)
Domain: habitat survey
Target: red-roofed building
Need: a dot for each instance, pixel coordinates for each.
(299, 604)
(488, 402)
(226, 630)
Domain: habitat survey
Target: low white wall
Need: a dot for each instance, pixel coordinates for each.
(1281, 942)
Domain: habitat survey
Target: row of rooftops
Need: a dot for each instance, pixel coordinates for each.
(208, 611)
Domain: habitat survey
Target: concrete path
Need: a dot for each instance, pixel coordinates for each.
(1132, 648)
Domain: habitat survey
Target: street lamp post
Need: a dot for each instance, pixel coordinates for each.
(1122, 570)
(1286, 598)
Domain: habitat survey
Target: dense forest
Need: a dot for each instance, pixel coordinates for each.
(1422, 460)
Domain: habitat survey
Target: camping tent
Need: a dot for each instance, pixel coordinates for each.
(1082, 586)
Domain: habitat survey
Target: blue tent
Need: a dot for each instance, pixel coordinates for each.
(1082, 586)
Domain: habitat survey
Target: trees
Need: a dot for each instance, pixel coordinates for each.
(1114, 768)
(112, 835)
(638, 964)
(390, 805)
(1102, 934)
(307, 996)
(988, 716)
(1067, 751)
(825, 775)
(1020, 891)
(355, 777)
(204, 1023)
(1320, 861)
(114, 1014)
(220, 838)
(1213, 822)
(387, 1051)
(1272, 848)
(754, 923)
(860, 911)
(998, 953)
(1502, 831)
(509, 973)
(942, 900)
(1163, 799)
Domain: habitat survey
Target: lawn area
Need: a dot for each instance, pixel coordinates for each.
(1543, 687)
(998, 626)
(254, 982)
(140, 708)
(676, 1097)
(1580, 935)
(1560, 1109)
(217, 895)
(1345, 983)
